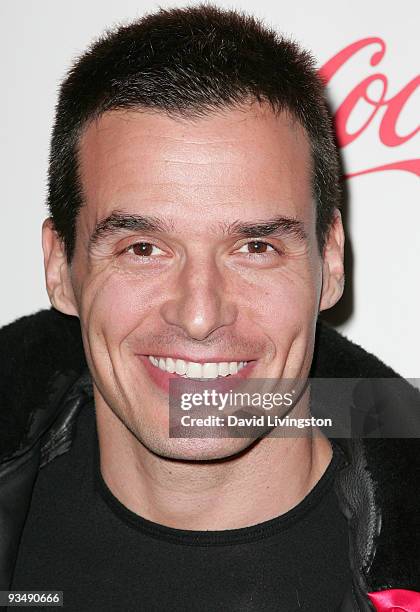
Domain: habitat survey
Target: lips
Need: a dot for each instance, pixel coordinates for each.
(161, 377)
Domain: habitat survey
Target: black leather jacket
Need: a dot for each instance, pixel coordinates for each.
(44, 383)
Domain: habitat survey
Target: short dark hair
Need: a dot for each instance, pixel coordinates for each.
(189, 62)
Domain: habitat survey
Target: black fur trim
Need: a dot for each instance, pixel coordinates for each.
(395, 467)
(32, 350)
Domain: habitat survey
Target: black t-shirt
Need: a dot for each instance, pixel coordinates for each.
(80, 539)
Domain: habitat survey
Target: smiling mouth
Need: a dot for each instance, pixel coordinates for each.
(194, 370)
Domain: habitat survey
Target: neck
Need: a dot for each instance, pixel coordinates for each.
(266, 480)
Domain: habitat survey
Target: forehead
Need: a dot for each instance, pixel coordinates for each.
(229, 162)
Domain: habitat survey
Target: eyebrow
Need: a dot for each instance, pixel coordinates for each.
(281, 226)
(118, 222)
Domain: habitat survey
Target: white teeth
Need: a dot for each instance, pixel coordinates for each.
(224, 368)
(194, 370)
(233, 367)
(170, 365)
(210, 370)
(180, 366)
(191, 369)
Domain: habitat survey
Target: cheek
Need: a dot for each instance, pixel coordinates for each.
(285, 309)
(291, 322)
(293, 327)
(112, 307)
(287, 299)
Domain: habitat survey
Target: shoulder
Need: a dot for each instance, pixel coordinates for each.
(337, 357)
(32, 350)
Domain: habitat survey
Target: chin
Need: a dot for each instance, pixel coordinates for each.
(198, 449)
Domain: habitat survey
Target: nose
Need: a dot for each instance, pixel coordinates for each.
(201, 303)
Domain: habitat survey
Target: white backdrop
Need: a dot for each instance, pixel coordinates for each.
(381, 307)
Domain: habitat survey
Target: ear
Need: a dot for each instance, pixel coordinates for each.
(57, 271)
(333, 264)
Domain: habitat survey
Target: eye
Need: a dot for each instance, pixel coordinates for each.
(143, 249)
(257, 247)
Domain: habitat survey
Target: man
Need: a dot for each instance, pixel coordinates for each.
(194, 232)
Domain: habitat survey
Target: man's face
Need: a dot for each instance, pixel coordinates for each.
(197, 243)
